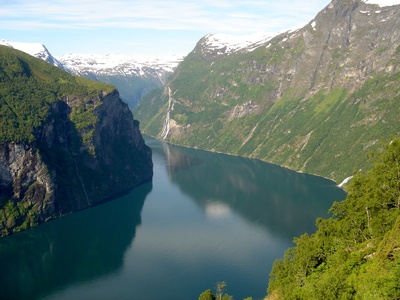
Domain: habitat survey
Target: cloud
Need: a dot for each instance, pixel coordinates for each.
(209, 16)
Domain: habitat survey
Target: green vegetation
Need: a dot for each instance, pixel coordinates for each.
(280, 104)
(16, 215)
(356, 253)
(327, 134)
(28, 86)
(33, 92)
(219, 293)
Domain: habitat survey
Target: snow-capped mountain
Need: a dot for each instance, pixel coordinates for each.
(133, 76)
(113, 64)
(221, 44)
(35, 49)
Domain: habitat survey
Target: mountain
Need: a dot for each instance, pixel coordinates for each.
(66, 143)
(35, 49)
(134, 77)
(222, 44)
(314, 99)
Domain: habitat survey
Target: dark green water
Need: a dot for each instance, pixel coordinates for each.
(205, 218)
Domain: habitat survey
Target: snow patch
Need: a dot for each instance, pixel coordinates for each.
(118, 64)
(34, 49)
(226, 44)
(313, 24)
(29, 48)
(382, 3)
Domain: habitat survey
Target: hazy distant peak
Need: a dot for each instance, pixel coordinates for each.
(111, 61)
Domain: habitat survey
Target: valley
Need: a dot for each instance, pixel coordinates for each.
(271, 161)
(314, 99)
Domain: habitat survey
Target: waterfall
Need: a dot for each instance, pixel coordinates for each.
(166, 127)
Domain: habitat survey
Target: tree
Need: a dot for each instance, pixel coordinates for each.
(220, 289)
(207, 295)
(356, 253)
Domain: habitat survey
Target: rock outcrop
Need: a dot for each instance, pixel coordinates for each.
(86, 150)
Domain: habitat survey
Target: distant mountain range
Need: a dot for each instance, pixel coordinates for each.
(314, 99)
(133, 76)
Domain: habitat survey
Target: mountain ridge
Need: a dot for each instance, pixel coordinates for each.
(133, 76)
(312, 99)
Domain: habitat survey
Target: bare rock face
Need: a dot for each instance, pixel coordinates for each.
(59, 174)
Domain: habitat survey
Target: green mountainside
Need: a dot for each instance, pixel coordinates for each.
(66, 143)
(314, 100)
(28, 87)
(356, 253)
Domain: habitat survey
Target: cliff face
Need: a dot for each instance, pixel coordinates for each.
(25, 178)
(313, 99)
(86, 149)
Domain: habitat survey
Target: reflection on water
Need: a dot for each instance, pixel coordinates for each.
(205, 218)
(177, 161)
(215, 209)
(74, 249)
(276, 198)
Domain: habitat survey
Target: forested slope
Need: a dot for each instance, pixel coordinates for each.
(66, 143)
(356, 253)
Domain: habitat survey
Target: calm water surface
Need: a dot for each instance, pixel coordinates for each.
(205, 218)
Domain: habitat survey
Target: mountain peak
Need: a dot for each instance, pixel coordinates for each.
(222, 44)
(34, 49)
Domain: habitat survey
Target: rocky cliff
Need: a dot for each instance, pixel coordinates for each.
(65, 143)
(313, 99)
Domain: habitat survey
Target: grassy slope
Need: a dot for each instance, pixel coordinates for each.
(326, 134)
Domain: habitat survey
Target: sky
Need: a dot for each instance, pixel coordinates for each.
(157, 28)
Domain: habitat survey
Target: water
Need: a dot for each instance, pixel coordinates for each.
(204, 219)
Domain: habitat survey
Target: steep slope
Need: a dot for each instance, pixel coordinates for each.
(66, 143)
(313, 99)
(34, 49)
(134, 77)
(356, 253)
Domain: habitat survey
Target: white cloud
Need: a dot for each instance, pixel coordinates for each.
(210, 16)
